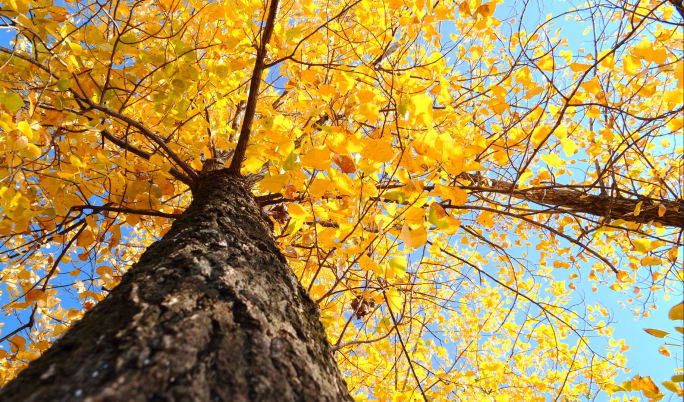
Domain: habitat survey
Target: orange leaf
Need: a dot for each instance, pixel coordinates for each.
(345, 163)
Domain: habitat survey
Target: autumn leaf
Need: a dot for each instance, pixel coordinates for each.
(485, 219)
(553, 160)
(388, 123)
(641, 244)
(569, 146)
(345, 163)
(378, 150)
(273, 184)
(677, 312)
(317, 158)
(656, 332)
(413, 238)
(394, 300)
(297, 212)
(398, 265)
(422, 108)
(11, 101)
(546, 63)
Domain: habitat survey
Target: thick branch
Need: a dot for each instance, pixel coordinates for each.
(255, 83)
(148, 212)
(608, 206)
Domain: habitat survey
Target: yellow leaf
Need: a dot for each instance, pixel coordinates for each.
(413, 238)
(677, 312)
(273, 184)
(593, 86)
(422, 108)
(367, 264)
(319, 187)
(579, 67)
(33, 149)
(285, 148)
(641, 245)
(656, 332)
(34, 295)
(345, 163)
(378, 150)
(327, 91)
(398, 266)
(631, 65)
(649, 388)
(455, 194)
(485, 219)
(196, 164)
(365, 96)
(75, 161)
(317, 158)
(553, 160)
(622, 275)
(644, 50)
(569, 146)
(25, 129)
(252, 165)
(675, 124)
(42, 345)
(394, 300)
(661, 210)
(649, 261)
(546, 63)
(673, 387)
(637, 209)
(76, 48)
(674, 96)
(608, 61)
(664, 351)
(473, 166)
(297, 212)
(17, 343)
(523, 76)
(86, 238)
(486, 9)
(439, 211)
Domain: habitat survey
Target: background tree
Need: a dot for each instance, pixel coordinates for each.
(407, 155)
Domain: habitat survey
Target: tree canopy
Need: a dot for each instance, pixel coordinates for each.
(447, 179)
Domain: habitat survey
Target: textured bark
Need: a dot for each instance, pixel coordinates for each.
(606, 206)
(212, 312)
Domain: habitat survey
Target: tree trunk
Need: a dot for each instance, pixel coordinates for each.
(211, 312)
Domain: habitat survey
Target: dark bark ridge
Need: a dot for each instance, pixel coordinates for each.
(211, 312)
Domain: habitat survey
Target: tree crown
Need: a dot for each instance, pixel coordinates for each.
(408, 153)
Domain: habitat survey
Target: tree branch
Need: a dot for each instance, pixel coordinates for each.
(255, 83)
(134, 211)
(147, 133)
(145, 155)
